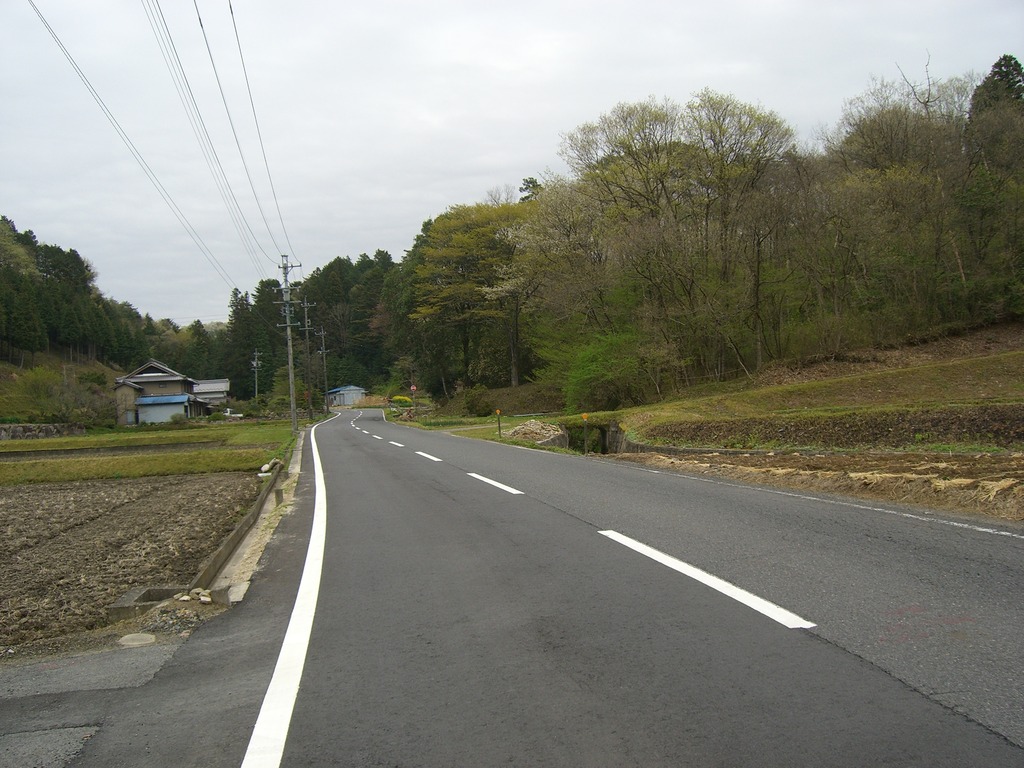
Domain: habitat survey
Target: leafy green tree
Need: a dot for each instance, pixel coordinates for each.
(14, 253)
(468, 281)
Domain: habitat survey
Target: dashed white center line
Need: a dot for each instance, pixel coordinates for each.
(397, 445)
(759, 604)
(377, 437)
(496, 484)
(428, 456)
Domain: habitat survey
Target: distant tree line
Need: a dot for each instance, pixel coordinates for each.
(49, 301)
(687, 243)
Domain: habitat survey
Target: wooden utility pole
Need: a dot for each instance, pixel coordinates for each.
(256, 372)
(309, 370)
(323, 358)
(286, 295)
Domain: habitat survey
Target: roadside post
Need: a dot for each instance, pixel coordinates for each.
(498, 411)
(585, 417)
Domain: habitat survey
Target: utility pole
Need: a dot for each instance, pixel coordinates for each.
(309, 371)
(256, 372)
(286, 294)
(323, 357)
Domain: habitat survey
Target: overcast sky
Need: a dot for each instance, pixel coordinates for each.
(378, 115)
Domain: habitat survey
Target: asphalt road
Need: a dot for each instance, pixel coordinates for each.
(481, 605)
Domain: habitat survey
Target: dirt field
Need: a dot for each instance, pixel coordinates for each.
(70, 549)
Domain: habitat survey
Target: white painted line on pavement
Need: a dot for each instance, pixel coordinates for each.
(759, 604)
(377, 437)
(428, 456)
(266, 745)
(923, 518)
(495, 483)
(397, 445)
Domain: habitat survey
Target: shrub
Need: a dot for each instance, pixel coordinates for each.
(93, 377)
(604, 373)
(478, 401)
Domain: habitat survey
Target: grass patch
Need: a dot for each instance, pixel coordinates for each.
(146, 465)
(226, 433)
(233, 447)
(982, 380)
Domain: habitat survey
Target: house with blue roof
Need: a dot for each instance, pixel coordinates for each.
(154, 393)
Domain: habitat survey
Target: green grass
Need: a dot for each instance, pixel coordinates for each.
(475, 426)
(984, 380)
(146, 465)
(234, 447)
(228, 433)
(979, 381)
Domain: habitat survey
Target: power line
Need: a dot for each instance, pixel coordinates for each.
(182, 219)
(199, 126)
(169, 51)
(259, 133)
(234, 132)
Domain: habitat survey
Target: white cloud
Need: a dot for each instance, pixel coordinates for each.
(378, 116)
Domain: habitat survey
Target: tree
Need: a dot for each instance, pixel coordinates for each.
(196, 362)
(1004, 85)
(673, 186)
(467, 282)
(992, 201)
(241, 342)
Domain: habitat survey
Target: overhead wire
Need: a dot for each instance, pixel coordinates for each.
(234, 132)
(150, 174)
(169, 51)
(241, 216)
(259, 133)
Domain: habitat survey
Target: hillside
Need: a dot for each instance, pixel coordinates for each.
(939, 424)
(55, 389)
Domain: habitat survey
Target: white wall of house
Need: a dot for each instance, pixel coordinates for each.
(158, 414)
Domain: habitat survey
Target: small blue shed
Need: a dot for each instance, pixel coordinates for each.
(347, 395)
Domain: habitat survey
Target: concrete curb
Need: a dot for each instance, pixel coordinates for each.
(142, 599)
(216, 561)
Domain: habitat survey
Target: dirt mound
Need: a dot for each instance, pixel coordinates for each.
(534, 431)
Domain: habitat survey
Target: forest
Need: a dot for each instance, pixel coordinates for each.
(686, 243)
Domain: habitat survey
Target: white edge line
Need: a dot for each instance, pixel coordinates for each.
(496, 484)
(759, 604)
(266, 745)
(923, 518)
(428, 456)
